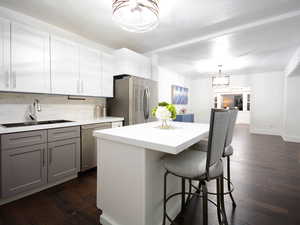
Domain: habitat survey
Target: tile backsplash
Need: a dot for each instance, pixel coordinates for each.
(14, 107)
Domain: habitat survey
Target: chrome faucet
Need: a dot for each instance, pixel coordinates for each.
(35, 107)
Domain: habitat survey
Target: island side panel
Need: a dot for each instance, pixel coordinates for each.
(121, 183)
(154, 189)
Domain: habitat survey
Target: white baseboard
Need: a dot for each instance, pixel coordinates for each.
(286, 138)
(265, 131)
(106, 220)
(291, 139)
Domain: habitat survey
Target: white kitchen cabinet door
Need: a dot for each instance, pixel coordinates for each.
(132, 63)
(107, 76)
(4, 55)
(30, 60)
(64, 67)
(126, 62)
(90, 72)
(144, 67)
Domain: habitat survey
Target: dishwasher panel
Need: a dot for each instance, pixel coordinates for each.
(89, 146)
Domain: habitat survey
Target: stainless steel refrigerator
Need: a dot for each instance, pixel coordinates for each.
(134, 98)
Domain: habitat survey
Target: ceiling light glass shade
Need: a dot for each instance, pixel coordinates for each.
(136, 15)
(220, 81)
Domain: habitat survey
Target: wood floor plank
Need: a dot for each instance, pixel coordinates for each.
(265, 171)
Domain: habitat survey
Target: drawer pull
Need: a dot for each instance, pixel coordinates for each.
(63, 132)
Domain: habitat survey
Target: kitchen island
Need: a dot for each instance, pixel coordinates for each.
(130, 170)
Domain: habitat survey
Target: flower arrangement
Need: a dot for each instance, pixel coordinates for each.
(164, 112)
(183, 110)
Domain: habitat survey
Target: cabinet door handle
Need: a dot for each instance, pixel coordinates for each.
(78, 86)
(14, 79)
(11, 80)
(82, 86)
(43, 157)
(50, 156)
(7, 79)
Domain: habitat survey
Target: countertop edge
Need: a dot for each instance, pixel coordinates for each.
(4, 130)
(149, 145)
(137, 143)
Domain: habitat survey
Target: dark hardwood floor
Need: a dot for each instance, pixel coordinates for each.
(72, 203)
(265, 172)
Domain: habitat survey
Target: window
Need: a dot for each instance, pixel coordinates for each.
(248, 102)
(216, 102)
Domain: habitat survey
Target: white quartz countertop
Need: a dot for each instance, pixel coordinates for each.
(4, 130)
(150, 136)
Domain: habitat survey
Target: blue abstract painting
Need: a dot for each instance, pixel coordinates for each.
(179, 95)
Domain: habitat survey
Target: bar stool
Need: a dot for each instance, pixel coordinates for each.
(228, 151)
(201, 166)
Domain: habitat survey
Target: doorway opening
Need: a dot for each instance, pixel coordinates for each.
(235, 97)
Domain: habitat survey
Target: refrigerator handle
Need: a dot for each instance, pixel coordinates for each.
(146, 103)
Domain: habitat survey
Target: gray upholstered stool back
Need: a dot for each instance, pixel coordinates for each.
(232, 120)
(219, 120)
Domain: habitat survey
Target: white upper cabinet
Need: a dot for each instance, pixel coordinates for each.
(30, 60)
(107, 75)
(131, 63)
(65, 77)
(90, 72)
(145, 67)
(4, 55)
(34, 61)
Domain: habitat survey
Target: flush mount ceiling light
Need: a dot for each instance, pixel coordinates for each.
(136, 15)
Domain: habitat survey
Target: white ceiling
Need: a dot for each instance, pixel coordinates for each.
(264, 48)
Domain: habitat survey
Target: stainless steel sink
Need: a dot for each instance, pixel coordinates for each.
(34, 123)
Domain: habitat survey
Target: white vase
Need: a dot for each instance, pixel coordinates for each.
(164, 124)
(164, 115)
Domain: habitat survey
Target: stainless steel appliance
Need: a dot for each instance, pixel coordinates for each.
(134, 99)
(89, 146)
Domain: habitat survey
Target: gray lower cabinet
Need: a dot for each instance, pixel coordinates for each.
(34, 159)
(63, 159)
(23, 169)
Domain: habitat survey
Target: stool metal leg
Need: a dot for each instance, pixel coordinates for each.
(165, 197)
(229, 182)
(205, 204)
(199, 188)
(218, 200)
(190, 190)
(222, 200)
(183, 194)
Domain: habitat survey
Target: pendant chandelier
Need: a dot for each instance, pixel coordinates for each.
(220, 80)
(136, 15)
